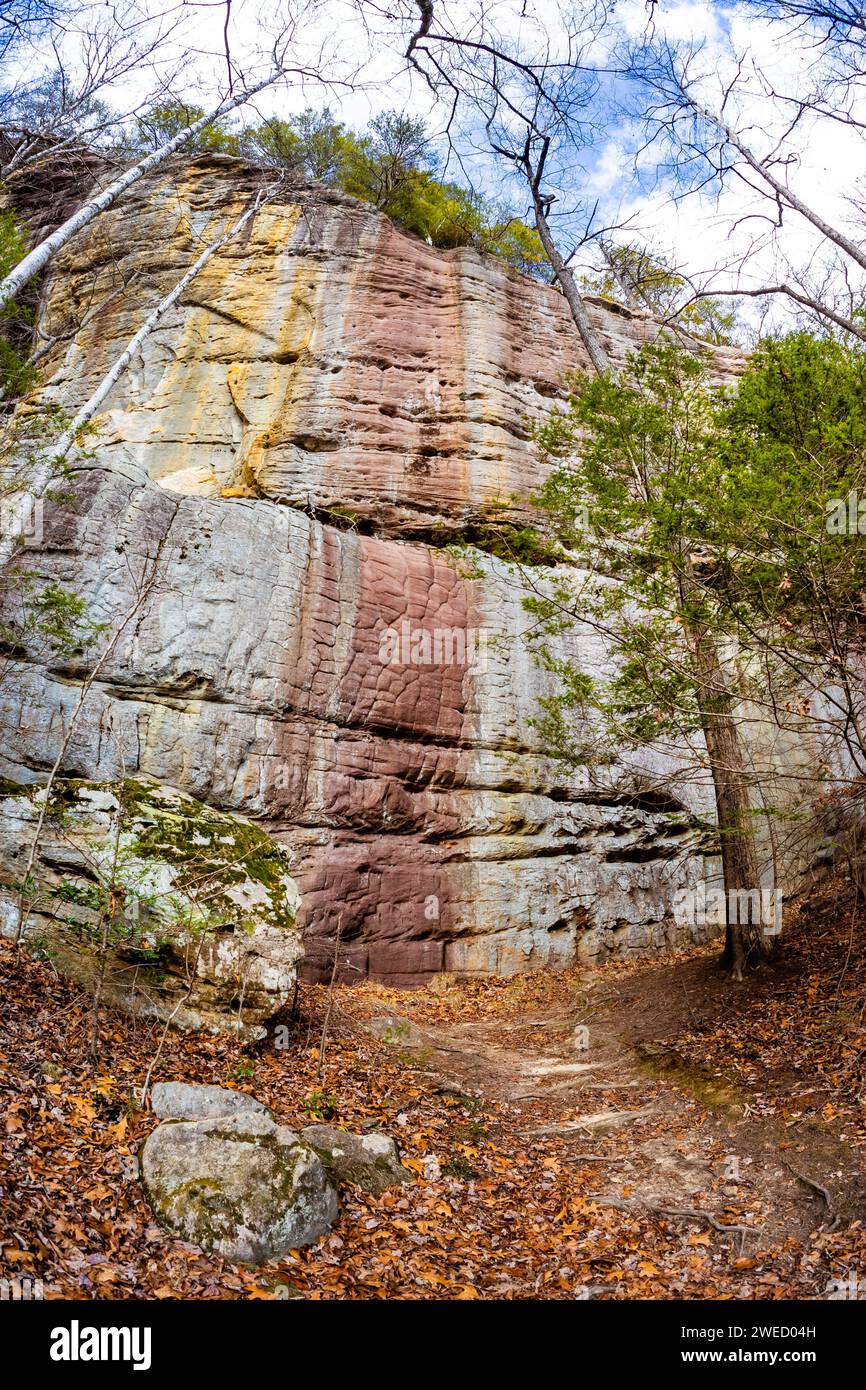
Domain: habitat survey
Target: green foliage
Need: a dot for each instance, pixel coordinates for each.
(13, 243)
(732, 518)
(319, 1105)
(168, 119)
(631, 455)
(791, 475)
(392, 167)
(458, 1166)
(519, 545)
(62, 619)
(632, 276)
(16, 374)
(449, 216)
(51, 620)
(312, 145)
(386, 167)
(89, 895)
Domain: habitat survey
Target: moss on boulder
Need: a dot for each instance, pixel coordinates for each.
(195, 908)
(238, 1185)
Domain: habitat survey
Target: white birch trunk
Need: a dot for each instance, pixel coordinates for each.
(43, 473)
(39, 257)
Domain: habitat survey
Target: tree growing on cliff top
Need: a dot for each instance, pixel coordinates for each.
(534, 108)
(36, 259)
(312, 144)
(392, 166)
(278, 51)
(168, 119)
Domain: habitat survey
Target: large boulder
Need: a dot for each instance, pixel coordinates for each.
(240, 1186)
(370, 1160)
(196, 908)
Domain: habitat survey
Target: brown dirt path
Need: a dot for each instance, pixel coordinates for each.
(654, 1155)
(590, 1067)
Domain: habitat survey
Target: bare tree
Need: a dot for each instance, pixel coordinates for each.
(38, 258)
(533, 104)
(837, 26)
(21, 20)
(712, 144)
(531, 160)
(98, 51)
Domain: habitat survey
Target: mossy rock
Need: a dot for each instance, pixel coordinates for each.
(178, 890)
(238, 1185)
(371, 1161)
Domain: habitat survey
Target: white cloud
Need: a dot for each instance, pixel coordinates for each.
(727, 231)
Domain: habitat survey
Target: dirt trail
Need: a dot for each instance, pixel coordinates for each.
(661, 1136)
(623, 1132)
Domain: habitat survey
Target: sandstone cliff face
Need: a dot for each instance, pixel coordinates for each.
(325, 360)
(330, 404)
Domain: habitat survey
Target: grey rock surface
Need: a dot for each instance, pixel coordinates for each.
(370, 1160)
(237, 1185)
(181, 1100)
(327, 378)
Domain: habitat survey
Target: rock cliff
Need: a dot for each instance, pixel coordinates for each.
(329, 406)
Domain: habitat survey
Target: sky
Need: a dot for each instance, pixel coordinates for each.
(721, 237)
(825, 158)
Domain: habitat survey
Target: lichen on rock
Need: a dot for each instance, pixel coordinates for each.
(194, 909)
(371, 1161)
(238, 1185)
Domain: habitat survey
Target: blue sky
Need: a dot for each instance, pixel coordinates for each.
(720, 236)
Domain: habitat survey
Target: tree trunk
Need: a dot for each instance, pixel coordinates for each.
(45, 470)
(39, 257)
(782, 192)
(744, 939)
(591, 341)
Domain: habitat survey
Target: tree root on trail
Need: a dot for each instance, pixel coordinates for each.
(680, 1213)
(831, 1220)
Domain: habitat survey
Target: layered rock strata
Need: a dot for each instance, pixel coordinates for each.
(331, 403)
